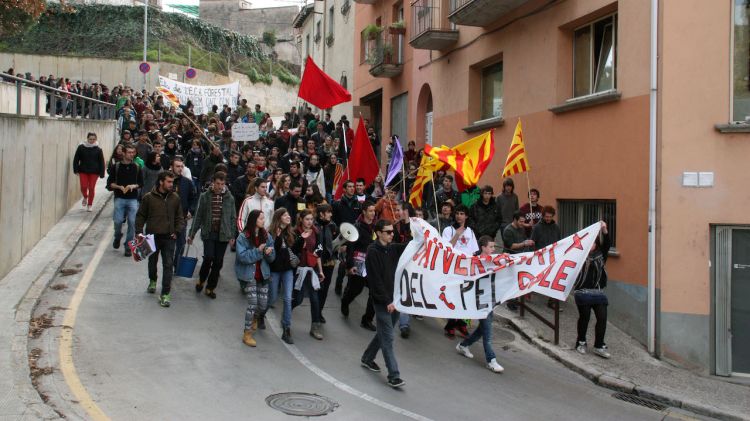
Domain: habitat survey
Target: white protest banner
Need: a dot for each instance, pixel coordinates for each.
(245, 132)
(203, 97)
(431, 280)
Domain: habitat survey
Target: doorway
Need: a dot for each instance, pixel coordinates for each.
(732, 300)
(374, 102)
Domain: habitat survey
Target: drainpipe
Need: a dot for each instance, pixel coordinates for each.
(652, 179)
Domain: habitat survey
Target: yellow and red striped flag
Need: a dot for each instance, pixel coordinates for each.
(517, 161)
(424, 174)
(169, 95)
(468, 159)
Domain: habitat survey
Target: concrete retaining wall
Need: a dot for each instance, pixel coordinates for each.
(276, 98)
(37, 184)
(8, 97)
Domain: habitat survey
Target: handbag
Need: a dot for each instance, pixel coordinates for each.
(186, 265)
(590, 297)
(293, 259)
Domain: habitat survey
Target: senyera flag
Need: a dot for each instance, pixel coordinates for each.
(169, 95)
(517, 161)
(427, 167)
(319, 89)
(362, 161)
(469, 160)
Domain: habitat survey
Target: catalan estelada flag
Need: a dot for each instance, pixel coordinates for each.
(468, 160)
(424, 175)
(517, 161)
(169, 95)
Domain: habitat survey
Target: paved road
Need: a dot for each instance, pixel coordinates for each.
(137, 360)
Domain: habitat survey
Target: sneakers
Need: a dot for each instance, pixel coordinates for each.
(315, 331)
(397, 382)
(494, 366)
(116, 242)
(581, 347)
(89, 208)
(367, 325)
(164, 300)
(602, 352)
(210, 293)
(199, 286)
(464, 350)
(247, 338)
(287, 336)
(370, 366)
(405, 332)
(450, 333)
(151, 287)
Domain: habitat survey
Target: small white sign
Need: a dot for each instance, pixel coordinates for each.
(173, 76)
(706, 179)
(245, 132)
(690, 179)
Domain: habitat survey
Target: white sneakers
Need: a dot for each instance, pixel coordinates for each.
(89, 208)
(602, 352)
(464, 350)
(494, 366)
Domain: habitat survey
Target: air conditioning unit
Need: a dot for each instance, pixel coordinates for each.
(245, 5)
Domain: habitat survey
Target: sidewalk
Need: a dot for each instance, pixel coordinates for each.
(631, 369)
(19, 292)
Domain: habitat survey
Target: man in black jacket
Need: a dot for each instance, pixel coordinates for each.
(347, 209)
(484, 215)
(381, 262)
(185, 188)
(125, 179)
(291, 201)
(355, 265)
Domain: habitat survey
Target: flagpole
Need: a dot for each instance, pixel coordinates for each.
(403, 179)
(434, 198)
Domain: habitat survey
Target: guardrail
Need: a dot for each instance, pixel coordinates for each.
(59, 102)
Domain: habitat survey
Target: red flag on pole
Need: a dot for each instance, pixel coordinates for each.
(362, 161)
(319, 89)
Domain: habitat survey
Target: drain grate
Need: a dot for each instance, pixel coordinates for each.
(648, 403)
(301, 404)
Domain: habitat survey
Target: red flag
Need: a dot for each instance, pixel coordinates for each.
(362, 161)
(319, 89)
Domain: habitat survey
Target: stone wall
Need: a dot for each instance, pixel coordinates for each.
(8, 95)
(275, 98)
(37, 184)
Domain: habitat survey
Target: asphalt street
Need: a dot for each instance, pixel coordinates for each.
(139, 361)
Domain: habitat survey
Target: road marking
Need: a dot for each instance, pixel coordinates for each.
(337, 383)
(67, 367)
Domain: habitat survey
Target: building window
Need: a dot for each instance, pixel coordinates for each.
(492, 91)
(575, 215)
(364, 48)
(741, 65)
(307, 45)
(331, 14)
(594, 57)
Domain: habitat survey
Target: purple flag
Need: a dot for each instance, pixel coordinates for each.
(397, 161)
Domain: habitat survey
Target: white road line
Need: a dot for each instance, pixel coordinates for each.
(337, 383)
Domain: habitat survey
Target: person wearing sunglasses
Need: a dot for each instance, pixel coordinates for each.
(380, 264)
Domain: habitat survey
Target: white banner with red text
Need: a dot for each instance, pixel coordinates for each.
(432, 280)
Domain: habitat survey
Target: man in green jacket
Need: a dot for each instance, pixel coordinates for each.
(161, 213)
(216, 218)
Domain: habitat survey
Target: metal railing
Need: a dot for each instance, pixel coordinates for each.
(60, 103)
(457, 4)
(426, 16)
(387, 49)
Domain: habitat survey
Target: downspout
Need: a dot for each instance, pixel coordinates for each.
(652, 179)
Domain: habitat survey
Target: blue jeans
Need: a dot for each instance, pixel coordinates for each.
(383, 340)
(403, 320)
(484, 331)
(285, 280)
(125, 208)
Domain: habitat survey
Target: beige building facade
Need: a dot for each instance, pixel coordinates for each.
(650, 140)
(324, 32)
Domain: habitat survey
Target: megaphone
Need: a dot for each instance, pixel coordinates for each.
(347, 233)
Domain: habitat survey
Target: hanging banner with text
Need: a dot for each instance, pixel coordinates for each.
(203, 97)
(431, 280)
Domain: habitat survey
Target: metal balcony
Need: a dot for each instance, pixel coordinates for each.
(432, 31)
(480, 12)
(386, 56)
(365, 1)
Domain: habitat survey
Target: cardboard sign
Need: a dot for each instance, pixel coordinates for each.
(245, 132)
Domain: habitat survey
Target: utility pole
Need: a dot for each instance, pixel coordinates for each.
(145, 36)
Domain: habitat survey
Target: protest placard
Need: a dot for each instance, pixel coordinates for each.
(245, 132)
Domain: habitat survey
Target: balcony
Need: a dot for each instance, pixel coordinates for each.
(480, 12)
(386, 55)
(432, 31)
(366, 1)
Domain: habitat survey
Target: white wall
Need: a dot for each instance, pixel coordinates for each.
(37, 184)
(275, 99)
(8, 95)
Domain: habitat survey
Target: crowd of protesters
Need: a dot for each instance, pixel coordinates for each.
(271, 202)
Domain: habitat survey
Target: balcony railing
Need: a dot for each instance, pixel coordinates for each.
(365, 1)
(386, 56)
(432, 31)
(480, 12)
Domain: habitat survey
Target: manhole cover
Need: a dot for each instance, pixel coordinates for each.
(648, 403)
(301, 404)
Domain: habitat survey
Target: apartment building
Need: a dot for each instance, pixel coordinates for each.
(605, 139)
